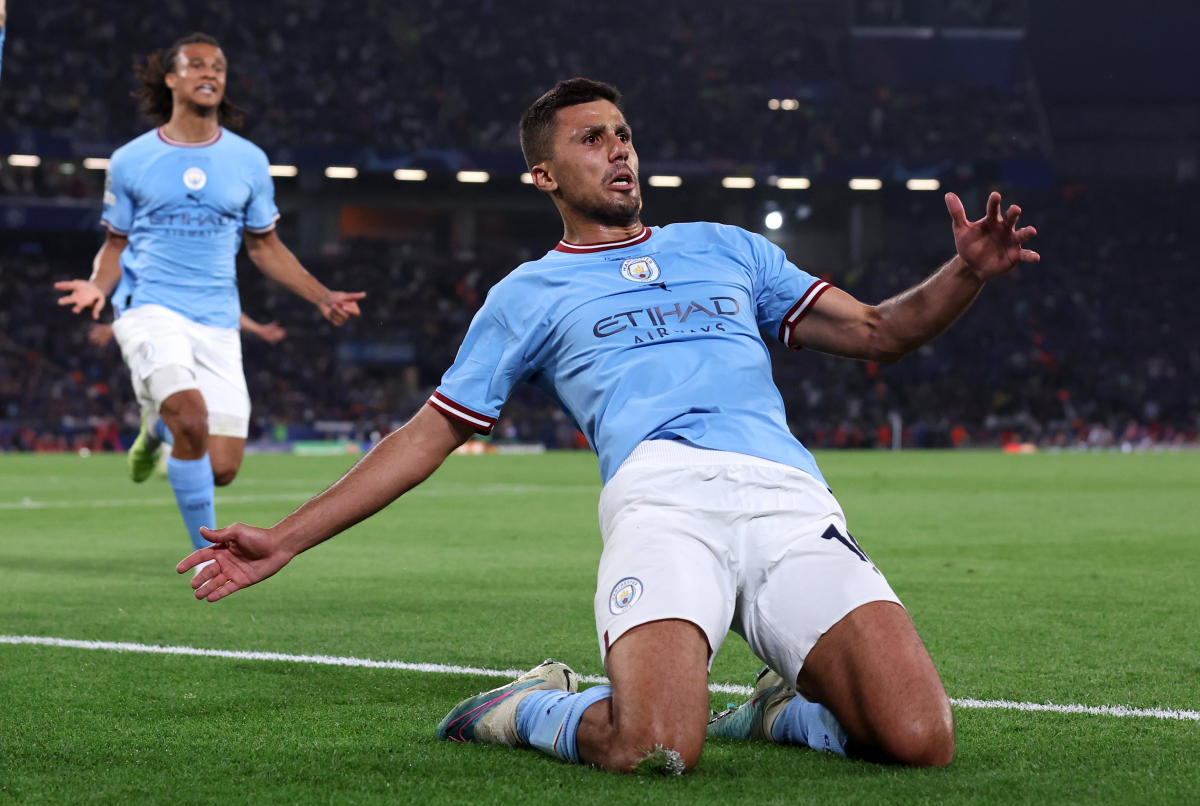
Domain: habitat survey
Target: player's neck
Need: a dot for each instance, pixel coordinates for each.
(593, 232)
(185, 126)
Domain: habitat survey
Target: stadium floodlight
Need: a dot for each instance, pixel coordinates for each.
(96, 163)
(24, 160)
(922, 184)
(789, 104)
(282, 170)
(793, 183)
(410, 175)
(341, 172)
(664, 181)
(865, 183)
(773, 220)
(527, 178)
(476, 177)
(773, 104)
(741, 182)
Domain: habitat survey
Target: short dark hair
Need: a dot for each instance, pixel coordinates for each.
(155, 95)
(537, 124)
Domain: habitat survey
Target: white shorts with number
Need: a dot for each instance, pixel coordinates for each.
(725, 540)
(168, 353)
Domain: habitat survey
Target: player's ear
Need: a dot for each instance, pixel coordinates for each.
(171, 79)
(542, 180)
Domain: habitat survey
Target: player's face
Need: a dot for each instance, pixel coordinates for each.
(199, 75)
(594, 169)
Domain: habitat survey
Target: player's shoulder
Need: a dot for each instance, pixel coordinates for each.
(137, 147)
(711, 232)
(235, 142)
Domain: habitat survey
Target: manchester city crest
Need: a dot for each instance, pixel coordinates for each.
(624, 595)
(194, 178)
(640, 270)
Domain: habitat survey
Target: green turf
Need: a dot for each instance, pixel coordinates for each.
(1065, 578)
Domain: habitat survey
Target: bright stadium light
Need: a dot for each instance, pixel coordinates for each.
(789, 104)
(341, 172)
(773, 104)
(741, 182)
(282, 170)
(773, 220)
(410, 175)
(24, 160)
(793, 183)
(96, 163)
(922, 184)
(865, 183)
(664, 181)
(527, 178)
(476, 177)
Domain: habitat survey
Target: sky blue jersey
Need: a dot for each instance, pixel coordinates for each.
(183, 207)
(657, 337)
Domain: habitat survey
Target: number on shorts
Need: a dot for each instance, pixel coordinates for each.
(846, 540)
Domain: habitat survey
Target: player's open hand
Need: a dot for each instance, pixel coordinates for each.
(341, 305)
(993, 245)
(83, 294)
(241, 554)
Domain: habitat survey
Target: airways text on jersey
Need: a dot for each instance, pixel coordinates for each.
(661, 321)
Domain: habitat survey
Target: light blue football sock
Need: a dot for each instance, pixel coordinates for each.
(809, 724)
(192, 481)
(161, 432)
(549, 720)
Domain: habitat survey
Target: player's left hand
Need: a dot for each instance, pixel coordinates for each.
(341, 305)
(83, 294)
(993, 245)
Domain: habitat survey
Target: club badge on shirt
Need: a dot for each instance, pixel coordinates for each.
(194, 178)
(640, 270)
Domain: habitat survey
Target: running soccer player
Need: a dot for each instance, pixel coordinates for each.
(177, 202)
(714, 517)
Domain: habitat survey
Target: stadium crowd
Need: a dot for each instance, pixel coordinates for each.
(408, 77)
(1078, 351)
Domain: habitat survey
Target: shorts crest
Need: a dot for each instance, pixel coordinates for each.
(624, 595)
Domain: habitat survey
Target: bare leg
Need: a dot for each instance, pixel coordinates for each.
(226, 456)
(872, 671)
(186, 416)
(659, 674)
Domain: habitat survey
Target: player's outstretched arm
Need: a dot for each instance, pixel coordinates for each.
(276, 261)
(985, 250)
(106, 273)
(245, 555)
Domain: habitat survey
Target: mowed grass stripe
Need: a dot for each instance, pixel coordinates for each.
(441, 668)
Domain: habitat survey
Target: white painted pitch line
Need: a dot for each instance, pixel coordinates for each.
(441, 668)
(442, 491)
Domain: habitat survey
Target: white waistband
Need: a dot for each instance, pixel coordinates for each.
(676, 452)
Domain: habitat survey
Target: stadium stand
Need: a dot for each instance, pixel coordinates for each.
(1083, 350)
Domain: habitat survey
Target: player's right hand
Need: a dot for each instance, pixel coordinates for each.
(83, 294)
(242, 555)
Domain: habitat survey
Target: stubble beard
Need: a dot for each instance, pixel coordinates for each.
(611, 212)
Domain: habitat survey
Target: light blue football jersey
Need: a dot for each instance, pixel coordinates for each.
(183, 207)
(658, 337)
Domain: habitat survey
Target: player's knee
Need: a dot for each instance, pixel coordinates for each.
(224, 474)
(665, 749)
(923, 742)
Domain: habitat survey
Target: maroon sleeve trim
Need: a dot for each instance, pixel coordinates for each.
(480, 422)
(798, 311)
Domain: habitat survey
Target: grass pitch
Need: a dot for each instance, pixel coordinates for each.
(1051, 578)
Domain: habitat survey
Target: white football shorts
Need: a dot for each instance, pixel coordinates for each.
(728, 541)
(167, 353)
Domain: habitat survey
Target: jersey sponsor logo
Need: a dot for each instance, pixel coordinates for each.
(624, 595)
(640, 270)
(195, 178)
(662, 317)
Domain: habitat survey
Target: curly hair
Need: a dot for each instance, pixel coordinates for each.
(155, 95)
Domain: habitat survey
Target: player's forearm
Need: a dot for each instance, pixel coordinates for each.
(918, 315)
(276, 261)
(400, 462)
(106, 267)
